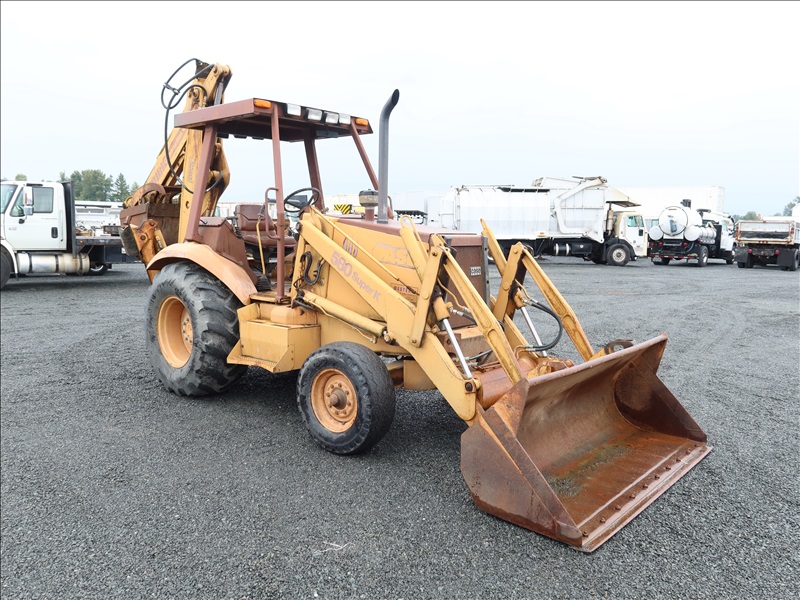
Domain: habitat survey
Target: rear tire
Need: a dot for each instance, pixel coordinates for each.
(618, 255)
(98, 269)
(346, 397)
(795, 261)
(661, 261)
(192, 326)
(5, 269)
(702, 257)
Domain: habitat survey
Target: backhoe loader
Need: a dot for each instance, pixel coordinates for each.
(360, 304)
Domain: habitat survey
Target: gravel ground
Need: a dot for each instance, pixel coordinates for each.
(114, 488)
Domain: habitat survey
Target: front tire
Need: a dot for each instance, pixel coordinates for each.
(346, 397)
(5, 269)
(192, 326)
(618, 255)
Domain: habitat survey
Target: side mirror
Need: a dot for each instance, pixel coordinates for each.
(27, 207)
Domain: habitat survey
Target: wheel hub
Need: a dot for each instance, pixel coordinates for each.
(175, 333)
(333, 399)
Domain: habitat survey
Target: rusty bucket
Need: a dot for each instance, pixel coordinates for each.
(576, 454)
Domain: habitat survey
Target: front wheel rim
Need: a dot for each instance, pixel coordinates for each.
(333, 400)
(175, 335)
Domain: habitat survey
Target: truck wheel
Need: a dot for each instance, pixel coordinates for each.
(5, 269)
(346, 397)
(98, 269)
(740, 265)
(702, 256)
(795, 261)
(192, 326)
(618, 255)
(750, 262)
(661, 261)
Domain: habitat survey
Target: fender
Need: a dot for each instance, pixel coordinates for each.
(227, 271)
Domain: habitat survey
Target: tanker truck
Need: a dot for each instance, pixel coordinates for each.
(682, 233)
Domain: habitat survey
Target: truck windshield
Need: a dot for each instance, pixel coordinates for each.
(8, 190)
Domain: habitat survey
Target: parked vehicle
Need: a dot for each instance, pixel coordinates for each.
(683, 233)
(769, 241)
(581, 217)
(44, 232)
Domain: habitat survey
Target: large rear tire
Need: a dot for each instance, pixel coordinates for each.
(192, 326)
(795, 261)
(346, 397)
(702, 256)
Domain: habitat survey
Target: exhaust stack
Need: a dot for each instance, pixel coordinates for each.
(383, 158)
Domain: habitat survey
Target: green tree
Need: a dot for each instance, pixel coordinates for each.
(750, 215)
(21, 177)
(120, 189)
(92, 185)
(787, 210)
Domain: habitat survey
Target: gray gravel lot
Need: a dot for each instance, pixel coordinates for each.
(114, 488)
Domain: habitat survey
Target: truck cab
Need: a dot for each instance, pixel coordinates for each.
(41, 234)
(629, 226)
(33, 216)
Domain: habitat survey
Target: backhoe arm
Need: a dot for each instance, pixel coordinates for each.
(150, 228)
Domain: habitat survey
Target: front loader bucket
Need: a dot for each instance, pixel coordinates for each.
(577, 453)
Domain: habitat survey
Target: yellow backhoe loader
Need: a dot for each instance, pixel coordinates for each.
(361, 304)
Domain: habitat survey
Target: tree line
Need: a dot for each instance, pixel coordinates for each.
(94, 185)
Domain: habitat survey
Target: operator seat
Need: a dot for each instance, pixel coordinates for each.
(249, 226)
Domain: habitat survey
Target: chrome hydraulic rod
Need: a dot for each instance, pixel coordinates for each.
(459, 353)
(533, 329)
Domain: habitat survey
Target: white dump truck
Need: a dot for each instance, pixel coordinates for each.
(683, 233)
(579, 216)
(769, 241)
(44, 230)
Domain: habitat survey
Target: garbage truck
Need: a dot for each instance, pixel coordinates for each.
(557, 216)
(358, 306)
(682, 233)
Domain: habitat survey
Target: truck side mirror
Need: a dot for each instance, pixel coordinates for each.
(27, 207)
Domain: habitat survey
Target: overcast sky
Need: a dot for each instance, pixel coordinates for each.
(642, 93)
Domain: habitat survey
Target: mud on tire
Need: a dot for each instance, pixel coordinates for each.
(192, 326)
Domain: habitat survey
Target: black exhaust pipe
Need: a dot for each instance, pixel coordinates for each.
(383, 158)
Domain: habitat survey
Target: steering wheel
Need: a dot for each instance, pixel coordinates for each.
(300, 204)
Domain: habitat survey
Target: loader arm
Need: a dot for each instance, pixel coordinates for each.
(510, 299)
